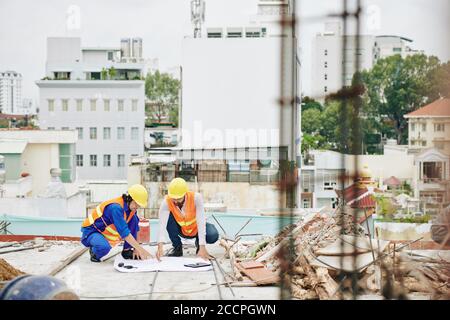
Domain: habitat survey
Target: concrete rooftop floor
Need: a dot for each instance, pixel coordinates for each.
(101, 281)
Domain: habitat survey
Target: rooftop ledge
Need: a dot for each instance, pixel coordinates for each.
(89, 83)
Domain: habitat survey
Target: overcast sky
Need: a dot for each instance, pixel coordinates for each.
(25, 25)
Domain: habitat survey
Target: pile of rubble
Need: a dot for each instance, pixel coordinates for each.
(333, 256)
(8, 272)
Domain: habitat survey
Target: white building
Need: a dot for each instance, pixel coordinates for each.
(33, 153)
(326, 171)
(386, 46)
(98, 93)
(231, 86)
(328, 62)
(10, 92)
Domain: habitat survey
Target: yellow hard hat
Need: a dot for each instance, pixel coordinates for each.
(139, 194)
(177, 188)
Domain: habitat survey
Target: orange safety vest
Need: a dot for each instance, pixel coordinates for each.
(188, 221)
(110, 232)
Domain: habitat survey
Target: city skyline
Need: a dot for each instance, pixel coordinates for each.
(163, 24)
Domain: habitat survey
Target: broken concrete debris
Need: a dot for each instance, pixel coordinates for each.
(329, 247)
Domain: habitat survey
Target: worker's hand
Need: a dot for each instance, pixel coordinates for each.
(141, 254)
(159, 252)
(202, 253)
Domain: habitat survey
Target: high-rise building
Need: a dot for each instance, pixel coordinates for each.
(331, 69)
(10, 92)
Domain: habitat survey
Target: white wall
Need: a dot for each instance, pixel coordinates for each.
(72, 207)
(64, 54)
(234, 195)
(230, 86)
(104, 191)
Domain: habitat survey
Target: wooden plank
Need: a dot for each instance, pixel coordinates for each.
(67, 261)
(260, 276)
(21, 249)
(251, 264)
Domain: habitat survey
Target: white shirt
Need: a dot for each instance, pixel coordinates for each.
(200, 216)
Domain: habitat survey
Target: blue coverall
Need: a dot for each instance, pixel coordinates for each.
(113, 213)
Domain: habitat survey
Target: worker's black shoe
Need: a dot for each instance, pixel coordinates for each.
(127, 254)
(93, 257)
(175, 252)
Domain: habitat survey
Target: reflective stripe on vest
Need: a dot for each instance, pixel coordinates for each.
(110, 232)
(190, 215)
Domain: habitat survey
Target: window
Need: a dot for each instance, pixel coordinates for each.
(134, 133)
(120, 105)
(79, 105)
(106, 105)
(306, 203)
(424, 127)
(424, 143)
(51, 128)
(326, 76)
(121, 160)
(80, 133)
(134, 103)
(326, 52)
(106, 133)
(107, 160)
(93, 104)
(93, 160)
(329, 180)
(325, 89)
(397, 49)
(61, 75)
(79, 160)
(110, 56)
(439, 127)
(326, 64)
(51, 105)
(413, 127)
(65, 128)
(65, 105)
(93, 133)
(120, 133)
(432, 171)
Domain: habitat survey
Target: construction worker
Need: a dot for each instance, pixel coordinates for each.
(182, 215)
(114, 220)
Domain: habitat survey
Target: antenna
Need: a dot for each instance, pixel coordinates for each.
(197, 16)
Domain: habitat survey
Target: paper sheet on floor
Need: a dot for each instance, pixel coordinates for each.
(166, 264)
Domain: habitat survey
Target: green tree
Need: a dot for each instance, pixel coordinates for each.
(396, 86)
(112, 73)
(309, 103)
(311, 121)
(162, 92)
(104, 74)
(440, 82)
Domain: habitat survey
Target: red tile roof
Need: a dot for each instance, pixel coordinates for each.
(364, 203)
(352, 192)
(438, 108)
(392, 181)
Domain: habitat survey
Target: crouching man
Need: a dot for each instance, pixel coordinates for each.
(182, 215)
(114, 220)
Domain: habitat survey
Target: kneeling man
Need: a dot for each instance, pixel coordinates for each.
(182, 215)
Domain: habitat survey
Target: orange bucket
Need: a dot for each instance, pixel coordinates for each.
(143, 235)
